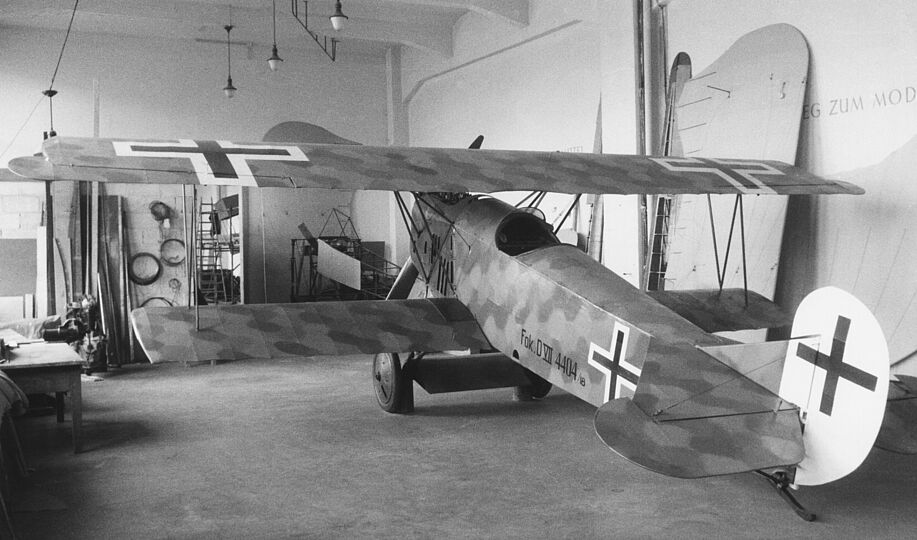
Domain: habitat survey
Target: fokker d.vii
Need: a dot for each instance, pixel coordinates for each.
(505, 304)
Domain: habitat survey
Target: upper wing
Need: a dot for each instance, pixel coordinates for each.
(409, 169)
(235, 332)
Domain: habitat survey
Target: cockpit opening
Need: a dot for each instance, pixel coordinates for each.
(521, 232)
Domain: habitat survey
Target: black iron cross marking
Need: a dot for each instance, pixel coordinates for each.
(611, 366)
(834, 366)
(217, 156)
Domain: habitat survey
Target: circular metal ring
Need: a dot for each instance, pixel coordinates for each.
(141, 269)
(172, 252)
(157, 301)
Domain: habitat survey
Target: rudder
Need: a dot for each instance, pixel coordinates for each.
(837, 372)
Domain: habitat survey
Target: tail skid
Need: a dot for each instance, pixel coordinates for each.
(780, 480)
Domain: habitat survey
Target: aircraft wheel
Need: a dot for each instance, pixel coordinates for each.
(537, 390)
(394, 390)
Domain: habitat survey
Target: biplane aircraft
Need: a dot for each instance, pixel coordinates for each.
(528, 311)
(490, 298)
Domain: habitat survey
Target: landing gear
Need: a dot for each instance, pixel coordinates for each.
(394, 388)
(780, 480)
(538, 389)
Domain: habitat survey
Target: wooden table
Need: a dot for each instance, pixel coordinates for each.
(43, 368)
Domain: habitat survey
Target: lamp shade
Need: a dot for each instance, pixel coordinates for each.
(338, 19)
(275, 59)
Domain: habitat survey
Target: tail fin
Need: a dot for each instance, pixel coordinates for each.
(837, 372)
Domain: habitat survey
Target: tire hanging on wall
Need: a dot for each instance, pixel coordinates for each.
(144, 268)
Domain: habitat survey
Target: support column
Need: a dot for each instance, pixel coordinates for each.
(398, 135)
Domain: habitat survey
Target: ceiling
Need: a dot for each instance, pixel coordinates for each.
(374, 25)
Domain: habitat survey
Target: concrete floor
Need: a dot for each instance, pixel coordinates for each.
(299, 449)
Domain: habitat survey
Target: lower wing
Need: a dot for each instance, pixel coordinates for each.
(235, 332)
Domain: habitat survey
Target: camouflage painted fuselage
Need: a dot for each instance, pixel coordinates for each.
(548, 305)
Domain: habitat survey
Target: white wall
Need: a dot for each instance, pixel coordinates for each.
(536, 88)
(537, 95)
(863, 58)
(153, 88)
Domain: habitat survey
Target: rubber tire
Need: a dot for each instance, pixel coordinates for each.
(539, 389)
(394, 390)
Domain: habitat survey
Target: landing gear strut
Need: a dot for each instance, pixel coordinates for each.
(780, 480)
(394, 388)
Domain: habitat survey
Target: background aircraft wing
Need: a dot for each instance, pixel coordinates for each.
(727, 310)
(235, 332)
(409, 169)
(899, 426)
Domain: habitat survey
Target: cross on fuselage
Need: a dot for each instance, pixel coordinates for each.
(834, 366)
(613, 364)
(216, 155)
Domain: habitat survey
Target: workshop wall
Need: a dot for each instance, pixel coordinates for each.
(114, 86)
(20, 209)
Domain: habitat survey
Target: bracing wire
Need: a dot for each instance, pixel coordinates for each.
(64, 46)
(22, 127)
(50, 92)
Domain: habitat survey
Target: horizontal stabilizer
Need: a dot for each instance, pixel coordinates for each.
(760, 362)
(236, 332)
(333, 166)
(716, 311)
(701, 446)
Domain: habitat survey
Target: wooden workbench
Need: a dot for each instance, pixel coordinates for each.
(44, 368)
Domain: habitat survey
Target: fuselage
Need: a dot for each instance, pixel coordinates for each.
(547, 305)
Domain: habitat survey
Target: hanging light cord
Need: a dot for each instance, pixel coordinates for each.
(229, 28)
(274, 12)
(228, 53)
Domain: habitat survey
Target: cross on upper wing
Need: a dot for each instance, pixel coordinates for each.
(214, 162)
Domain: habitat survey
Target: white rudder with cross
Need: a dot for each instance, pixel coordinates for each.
(836, 370)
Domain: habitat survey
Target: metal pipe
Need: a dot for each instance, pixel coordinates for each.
(640, 116)
(188, 260)
(263, 250)
(195, 219)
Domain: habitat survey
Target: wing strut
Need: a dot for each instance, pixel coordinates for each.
(536, 196)
(738, 209)
(413, 233)
(569, 211)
